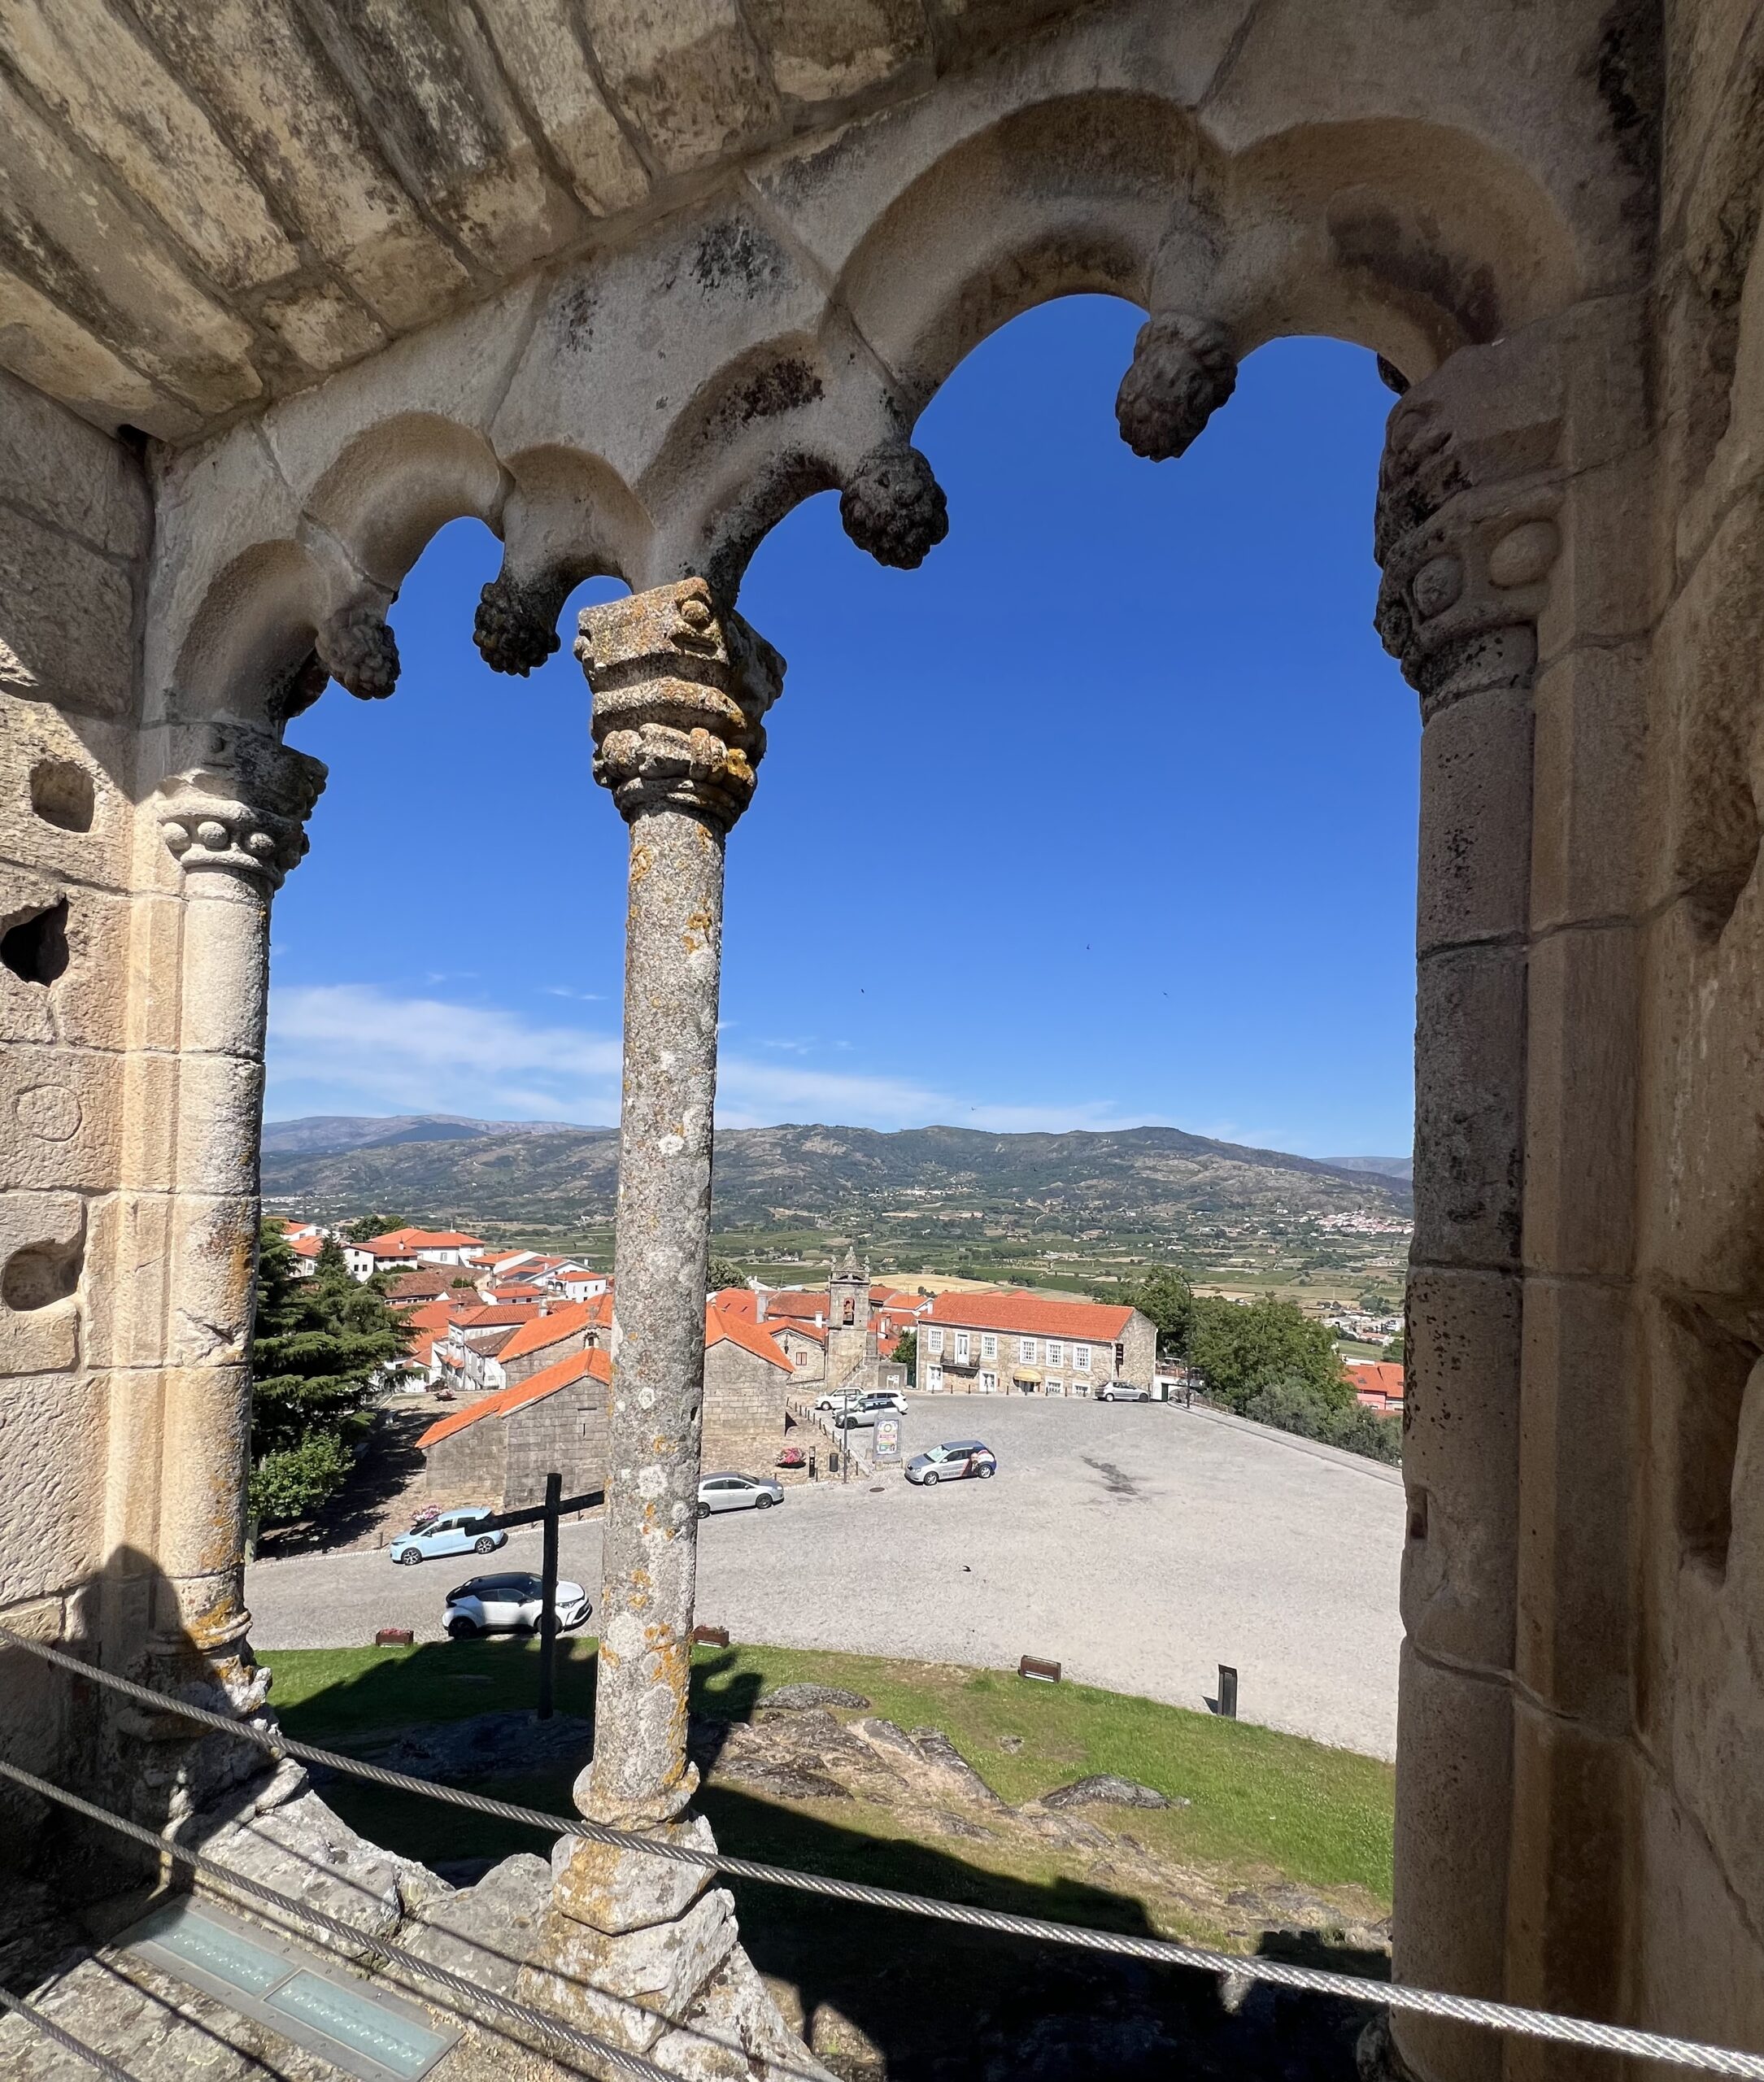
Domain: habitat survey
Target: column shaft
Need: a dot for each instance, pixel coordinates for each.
(679, 691)
(672, 965)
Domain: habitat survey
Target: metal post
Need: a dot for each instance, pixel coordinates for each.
(553, 1495)
(679, 691)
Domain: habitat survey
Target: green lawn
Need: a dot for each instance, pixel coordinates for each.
(1262, 1804)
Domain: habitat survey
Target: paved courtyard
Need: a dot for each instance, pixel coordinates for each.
(1138, 1545)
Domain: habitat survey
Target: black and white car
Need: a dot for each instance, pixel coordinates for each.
(961, 1461)
(509, 1604)
(1122, 1392)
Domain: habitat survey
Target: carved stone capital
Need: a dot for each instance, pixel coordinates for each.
(359, 652)
(1184, 368)
(240, 801)
(680, 685)
(894, 507)
(1465, 543)
(515, 627)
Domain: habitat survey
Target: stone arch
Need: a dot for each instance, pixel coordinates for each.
(251, 641)
(394, 485)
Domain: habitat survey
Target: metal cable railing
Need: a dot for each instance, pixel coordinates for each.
(1315, 1980)
(478, 1999)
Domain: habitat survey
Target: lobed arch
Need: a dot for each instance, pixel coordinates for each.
(561, 419)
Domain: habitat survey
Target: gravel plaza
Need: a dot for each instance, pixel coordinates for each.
(1138, 1545)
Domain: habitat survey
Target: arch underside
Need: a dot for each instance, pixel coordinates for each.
(654, 411)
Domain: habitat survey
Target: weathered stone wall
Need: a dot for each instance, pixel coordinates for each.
(744, 1400)
(1689, 1614)
(567, 1431)
(79, 1121)
(469, 1465)
(1543, 218)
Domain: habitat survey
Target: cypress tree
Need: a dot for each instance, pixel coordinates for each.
(318, 1348)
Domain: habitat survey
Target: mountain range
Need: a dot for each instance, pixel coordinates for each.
(1111, 1181)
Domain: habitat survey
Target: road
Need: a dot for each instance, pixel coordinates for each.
(1140, 1546)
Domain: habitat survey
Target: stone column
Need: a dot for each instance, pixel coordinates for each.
(679, 691)
(1465, 535)
(233, 818)
(640, 1951)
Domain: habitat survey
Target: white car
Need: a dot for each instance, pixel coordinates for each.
(738, 1492)
(1122, 1392)
(501, 1605)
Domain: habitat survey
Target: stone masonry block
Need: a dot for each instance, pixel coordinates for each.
(65, 807)
(1587, 843)
(61, 1117)
(128, 1244)
(1583, 1020)
(1475, 819)
(42, 1245)
(219, 1112)
(68, 473)
(1575, 1792)
(1460, 1464)
(1579, 1454)
(612, 1890)
(66, 627)
(628, 1988)
(52, 1440)
(214, 1248)
(1454, 1804)
(825, 49)
(1469, 1093)
(686, 73)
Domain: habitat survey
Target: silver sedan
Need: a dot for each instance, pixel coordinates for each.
(738, 1492)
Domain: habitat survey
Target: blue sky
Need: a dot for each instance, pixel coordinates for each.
(1105, 815)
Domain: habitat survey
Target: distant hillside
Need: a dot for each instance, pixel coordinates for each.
(1125, 1181)
(1387, 1167)
(324, 1134)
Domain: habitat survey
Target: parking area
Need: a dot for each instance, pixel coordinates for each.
(1138, 1545)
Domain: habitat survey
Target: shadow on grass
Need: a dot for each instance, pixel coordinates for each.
(883, 1996)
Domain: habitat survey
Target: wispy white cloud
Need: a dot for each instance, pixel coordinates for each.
(343, 1047)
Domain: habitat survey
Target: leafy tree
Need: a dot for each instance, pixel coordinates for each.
(365, 1227)
(1394, 1350)
(1242, 1350)
(724, 1272)
(906, 1353)
(1375, 1304)
(1297, 1405)
(1166, 1295)
(317, 1346)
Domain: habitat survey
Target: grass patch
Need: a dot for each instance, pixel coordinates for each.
(1262, 1804)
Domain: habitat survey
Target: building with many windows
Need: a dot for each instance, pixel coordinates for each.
(1009, 1343)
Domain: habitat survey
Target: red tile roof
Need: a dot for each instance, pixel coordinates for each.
(1383, 1377)
(781, 1301)
(750, 1337)
(306, 1246)
(535, 1388)
(1030, 1315)
(402, 1243)
(567, 1319)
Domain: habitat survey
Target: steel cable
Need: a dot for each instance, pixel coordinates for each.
(51, 2031)
(477, 1997)
(1315, 1980)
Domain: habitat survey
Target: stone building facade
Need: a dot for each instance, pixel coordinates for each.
(499, 1448)
(1022, 1344)
(277, 303)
